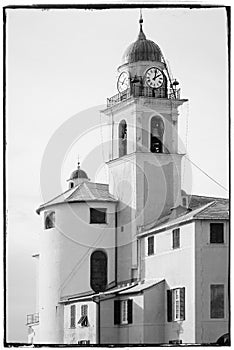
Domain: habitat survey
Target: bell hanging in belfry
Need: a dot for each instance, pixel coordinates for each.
(155, 131)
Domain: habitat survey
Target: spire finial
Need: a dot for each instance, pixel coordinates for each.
(141, 18)
(78, 161)
(141, 35)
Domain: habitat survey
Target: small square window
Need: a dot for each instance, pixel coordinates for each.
(176, 238)
(151, 245)
(49, 219)
(216, 233)
(98, 215)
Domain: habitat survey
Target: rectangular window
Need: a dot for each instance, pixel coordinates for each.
(73, 316)
(84, 310)
(217, 301)
(176, 304)
(83, 321)
(98, 215)
(123, 311)
(176, 238)
(49, 219)
(151, 245)
(216, 233)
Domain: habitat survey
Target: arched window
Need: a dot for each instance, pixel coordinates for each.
(122, 138)
(71, 184)
(49, 219)
(156, 135)
(98, 271)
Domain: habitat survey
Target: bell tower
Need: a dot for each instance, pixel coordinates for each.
(144, 163)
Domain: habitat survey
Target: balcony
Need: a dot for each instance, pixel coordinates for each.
(143, 91)
(32, 319)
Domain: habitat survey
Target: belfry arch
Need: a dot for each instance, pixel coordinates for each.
(122, 138)
(156, 134)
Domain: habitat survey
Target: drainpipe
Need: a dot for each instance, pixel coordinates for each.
(116, 248)
(96, 299)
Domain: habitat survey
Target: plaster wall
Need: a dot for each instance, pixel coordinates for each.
(138, 113)
(78, 333)
(65, 260)
(154, 314)
(158, 185)
(122, 177)
(212, 264)
(177, 266)
(146, 109)
(122, 334)
(49, 284)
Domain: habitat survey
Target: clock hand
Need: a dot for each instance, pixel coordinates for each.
(155, 73)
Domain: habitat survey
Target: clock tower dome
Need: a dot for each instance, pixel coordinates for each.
(144, 162)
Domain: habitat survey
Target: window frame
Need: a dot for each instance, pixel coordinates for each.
(150, 245)
(176, 238)
(212, 224)
(83, 321)
(123, 138)
(176, 304)
(214, 308)
(73, 316)
(123, 312)
(160, 139)
(94, 274)
(104, 210)
(49, 215)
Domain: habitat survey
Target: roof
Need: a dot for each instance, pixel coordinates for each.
(78, 174)
(141, 287)
(142, 50)
(200, 208)
(130, 288)
(84, 192)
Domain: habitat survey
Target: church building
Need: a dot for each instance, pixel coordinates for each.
(146, 264)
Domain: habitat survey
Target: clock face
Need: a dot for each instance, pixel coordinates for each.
(154, 77)
(123, 82)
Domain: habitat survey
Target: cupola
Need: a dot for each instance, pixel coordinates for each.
(142, 49)
(77, 176)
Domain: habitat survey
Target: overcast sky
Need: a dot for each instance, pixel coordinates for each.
(61, 63)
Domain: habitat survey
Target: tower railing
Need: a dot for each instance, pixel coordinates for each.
(143, 91)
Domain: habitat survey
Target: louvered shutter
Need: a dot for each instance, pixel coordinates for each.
(130, 311)
(182, 304)
(116, 311)
(169, 305)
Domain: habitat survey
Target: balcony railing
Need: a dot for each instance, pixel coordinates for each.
(32, 318)
(143, 91)
(118, 98)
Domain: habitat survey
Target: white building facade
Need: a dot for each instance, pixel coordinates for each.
(137, 261)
